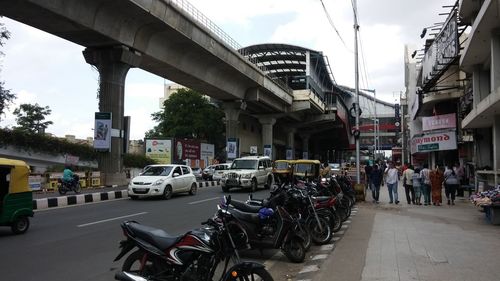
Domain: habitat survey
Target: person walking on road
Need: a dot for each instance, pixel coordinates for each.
(426, 184)
(417, 186)
(451, 183)
(391, 179)
(376, 180)
(408, 184)
(437, 179)
(368, 173)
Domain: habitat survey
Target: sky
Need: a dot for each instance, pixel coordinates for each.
(41, 68)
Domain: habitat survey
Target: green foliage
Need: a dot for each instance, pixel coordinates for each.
(137, 161)
(30, 118)
(6, 97)
(45, 144)
(187, 114)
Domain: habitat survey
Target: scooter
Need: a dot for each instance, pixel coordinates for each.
(74, 185)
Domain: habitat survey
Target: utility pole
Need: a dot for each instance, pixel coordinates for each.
(356, 78)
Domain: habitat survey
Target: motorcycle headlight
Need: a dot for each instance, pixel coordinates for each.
(246, 176)
(158, 182)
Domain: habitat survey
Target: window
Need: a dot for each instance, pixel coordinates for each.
(244, 164)
(177, 170)
(158, 171)
(185, 170)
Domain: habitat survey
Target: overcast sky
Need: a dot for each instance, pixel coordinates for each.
(44, 69)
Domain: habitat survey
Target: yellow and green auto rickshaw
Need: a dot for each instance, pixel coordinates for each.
(282, 170)
(304, 169)
(16, 198)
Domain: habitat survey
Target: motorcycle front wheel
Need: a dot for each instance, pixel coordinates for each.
(321, 232)
(301, 230)
(294, 250)
(62, 190)
(253, 274)
(78, 188)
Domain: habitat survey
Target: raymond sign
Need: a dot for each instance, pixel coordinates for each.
(439, 122)
(434, 142)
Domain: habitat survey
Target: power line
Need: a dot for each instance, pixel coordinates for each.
(333, 25)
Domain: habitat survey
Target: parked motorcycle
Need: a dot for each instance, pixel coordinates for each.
(188, 257)
(74, 185)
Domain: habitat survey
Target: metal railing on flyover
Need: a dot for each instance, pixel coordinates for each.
(210, 25)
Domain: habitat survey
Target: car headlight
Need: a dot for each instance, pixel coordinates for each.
(158, 182)
(246, 176)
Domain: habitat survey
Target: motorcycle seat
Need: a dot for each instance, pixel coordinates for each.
(157, 237)
(249, 217)
(242, 206)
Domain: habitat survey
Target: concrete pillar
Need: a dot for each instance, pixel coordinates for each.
(480, 83)
(290, 141)
(267, 132)
(495, 60)
(113, 64)
(232, 111)
(305, 144)
(496, 146)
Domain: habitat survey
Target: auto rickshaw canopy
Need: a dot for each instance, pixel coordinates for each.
(19, 174)
(306, 168)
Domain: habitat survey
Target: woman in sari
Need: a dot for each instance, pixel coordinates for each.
(437, 179)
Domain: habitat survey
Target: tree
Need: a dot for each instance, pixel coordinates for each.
(187, 114)
(6, 97)
(30, 118)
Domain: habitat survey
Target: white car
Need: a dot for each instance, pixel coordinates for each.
(248, 172)
(163, 180)
(219, 170)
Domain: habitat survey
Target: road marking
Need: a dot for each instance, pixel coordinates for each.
(112, 219)
(320, 257)
(204, 200)
(327, 247)
(309, 268)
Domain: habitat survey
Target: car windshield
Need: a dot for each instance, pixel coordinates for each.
(222, 167)
(281, 165)
(244, 164)
(158, 171)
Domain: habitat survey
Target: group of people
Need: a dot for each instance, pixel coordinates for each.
(422, 185)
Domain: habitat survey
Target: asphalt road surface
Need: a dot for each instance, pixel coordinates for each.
(80, 242)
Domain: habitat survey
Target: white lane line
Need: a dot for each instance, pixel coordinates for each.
(309, 268)
(320, 257)
(112, 219)
(327, 247)
(204, 200)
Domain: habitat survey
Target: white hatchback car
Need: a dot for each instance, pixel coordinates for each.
(163, 180)
(219, 170)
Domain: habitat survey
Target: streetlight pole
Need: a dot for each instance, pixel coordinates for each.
(356, 78)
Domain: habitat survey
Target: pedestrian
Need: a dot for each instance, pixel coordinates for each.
(391, 179)
(426, 184)
(368, 172)
(408, 184)
(376, 180)
(417, 186)
(437, 179)
(451, 184)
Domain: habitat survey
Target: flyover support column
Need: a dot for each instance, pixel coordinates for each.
(267, 135)
(113, 64)
(232, 112)
(290, 141)
(305, 146)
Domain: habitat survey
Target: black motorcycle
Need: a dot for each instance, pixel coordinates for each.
(193, 256)
(268, 228)
(73, 185)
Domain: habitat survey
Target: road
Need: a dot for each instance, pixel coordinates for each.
(80, 242)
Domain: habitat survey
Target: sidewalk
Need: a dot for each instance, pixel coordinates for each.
(408, 242)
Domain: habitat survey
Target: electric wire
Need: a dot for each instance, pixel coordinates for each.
(333, 25)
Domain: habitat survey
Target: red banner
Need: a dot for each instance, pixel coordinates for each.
(186, 149)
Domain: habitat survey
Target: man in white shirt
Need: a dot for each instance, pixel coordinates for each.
(391, 179)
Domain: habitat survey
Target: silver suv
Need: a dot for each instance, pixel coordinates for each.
(248, 172)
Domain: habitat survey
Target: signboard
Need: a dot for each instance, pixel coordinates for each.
(253, 150)
(305, 155)
(71, 159)
(35, 182)
(268, 150)
(232, 148)
(442, 52)
(186, 149)
(289, 154)
(159, 150)
(102, 131)
(439, 122)
(207, 153)
(434, 142)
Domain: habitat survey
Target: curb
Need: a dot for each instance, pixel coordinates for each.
(52, 202)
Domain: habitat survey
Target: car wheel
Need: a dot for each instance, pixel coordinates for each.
(194, 189)
(254, 186)
(269, 182)
(167, 192)
(20, 225)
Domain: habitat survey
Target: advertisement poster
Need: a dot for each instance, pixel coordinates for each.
(186, 149)
(232, 148)
(305, 155)
(268, 150)
(159, 150)
(434, 142)
(253, 150)
(289, 154)
(437, 122)
(207, 154)
(35, 182)
(102, 131)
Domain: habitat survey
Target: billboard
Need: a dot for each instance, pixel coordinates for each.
(207, 153)
(434, 142)
(232, 148)
(102, 131)
(159, 150)
(445, 121)
(186, 149)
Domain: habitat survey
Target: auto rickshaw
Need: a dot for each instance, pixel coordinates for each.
(282, 170)
(306, 169)
(16, 198)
